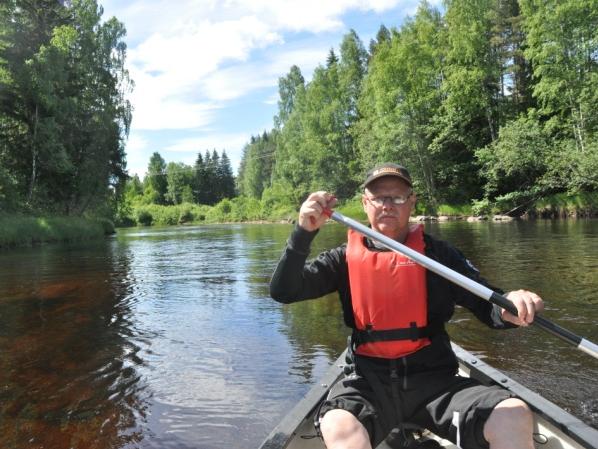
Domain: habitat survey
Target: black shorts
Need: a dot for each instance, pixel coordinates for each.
(453, 407)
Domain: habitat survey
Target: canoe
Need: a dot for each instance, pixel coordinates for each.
(554, 428)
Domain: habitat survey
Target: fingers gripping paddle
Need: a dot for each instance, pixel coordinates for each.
(463, 281)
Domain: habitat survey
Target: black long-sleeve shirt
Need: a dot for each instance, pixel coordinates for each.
(296, 279)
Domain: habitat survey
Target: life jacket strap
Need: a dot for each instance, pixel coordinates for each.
(412, 333)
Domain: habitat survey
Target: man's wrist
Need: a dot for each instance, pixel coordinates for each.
(301, 238)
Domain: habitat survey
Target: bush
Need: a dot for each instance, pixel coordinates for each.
(221, 212)
(125, 221)
(107, 226)
(280, 201)
(185, 215)
(22, 230)
(584, 204)
(454, 210)
(246, 209)
(481, 207)
(353, 208)
(144, 217)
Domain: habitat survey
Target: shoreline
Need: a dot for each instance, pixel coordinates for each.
(23, 232)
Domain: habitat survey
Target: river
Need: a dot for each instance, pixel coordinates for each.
(167, 338)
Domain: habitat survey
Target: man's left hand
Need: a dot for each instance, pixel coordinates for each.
(527, 303)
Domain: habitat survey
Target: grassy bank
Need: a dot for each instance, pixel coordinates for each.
(243, 209)
(21, 230)
(582, 205)
(238, 209)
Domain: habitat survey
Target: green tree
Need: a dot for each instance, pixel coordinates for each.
(517, 165)
(289, 87)
(400, 98)
(132, 196)
(214, 178)
(24, 28)
(227, 179)
(562, 44)
(180, 178)
(255, 170)
(484, 84)
(315, 149)
(63, 118)
(200, 184)
(383, 35)
(156, 179)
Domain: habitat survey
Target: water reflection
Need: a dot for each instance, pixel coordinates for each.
(167, 338)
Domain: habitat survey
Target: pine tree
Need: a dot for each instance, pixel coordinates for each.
(331, 59)
(227, 178)
(199, 186)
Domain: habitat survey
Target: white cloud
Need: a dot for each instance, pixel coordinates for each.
(190, 58)
(168, 68)
(240, 79)
(272, 99)
(180, 48)
(136, 158)
(306, 15)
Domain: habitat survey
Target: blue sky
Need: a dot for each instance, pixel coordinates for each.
(206, 71)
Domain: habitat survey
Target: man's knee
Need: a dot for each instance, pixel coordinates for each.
(340, 426)
(512, 414)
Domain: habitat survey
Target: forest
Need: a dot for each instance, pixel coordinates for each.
(488, 102)
(491, 104)
(64, 116)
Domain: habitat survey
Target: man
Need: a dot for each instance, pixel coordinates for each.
(404, 368)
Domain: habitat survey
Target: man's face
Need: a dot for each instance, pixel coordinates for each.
(384, 215)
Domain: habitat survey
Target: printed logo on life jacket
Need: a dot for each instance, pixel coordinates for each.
(402, 263)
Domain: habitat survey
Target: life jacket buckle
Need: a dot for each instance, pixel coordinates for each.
(413, 331)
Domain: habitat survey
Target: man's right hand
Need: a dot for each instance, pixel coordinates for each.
(311, 214)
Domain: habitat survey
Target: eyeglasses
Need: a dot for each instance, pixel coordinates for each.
(379, 201)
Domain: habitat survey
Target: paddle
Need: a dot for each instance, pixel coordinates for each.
(463, 281)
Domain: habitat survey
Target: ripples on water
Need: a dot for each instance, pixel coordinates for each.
(167, 338)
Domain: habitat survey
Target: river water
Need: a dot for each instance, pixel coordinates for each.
(167, 338)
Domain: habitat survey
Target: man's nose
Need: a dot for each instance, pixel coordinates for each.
(387, 202)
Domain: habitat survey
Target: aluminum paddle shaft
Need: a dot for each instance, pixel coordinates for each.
(465, 282)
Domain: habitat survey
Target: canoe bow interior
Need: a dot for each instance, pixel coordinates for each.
(554, 427)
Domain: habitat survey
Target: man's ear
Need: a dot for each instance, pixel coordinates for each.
(363, 203)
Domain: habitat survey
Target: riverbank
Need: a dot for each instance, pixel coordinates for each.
(22, 230)
(243, 210)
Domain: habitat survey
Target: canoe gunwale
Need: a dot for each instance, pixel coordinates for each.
(281, 435)
(563, 421)
(571, 426)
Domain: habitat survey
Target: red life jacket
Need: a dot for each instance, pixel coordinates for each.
(389, 298)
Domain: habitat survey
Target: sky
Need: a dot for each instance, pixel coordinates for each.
(206, 71)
